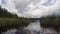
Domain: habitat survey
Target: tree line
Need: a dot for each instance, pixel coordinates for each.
(52, 21)
(9, 20)
(4, 13)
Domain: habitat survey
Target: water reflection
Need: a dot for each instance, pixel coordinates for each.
(32, 28)
(22, 31)
(49, 31)
(11, 31)
(35, 27)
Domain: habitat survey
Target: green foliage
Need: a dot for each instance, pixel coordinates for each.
(14, 21)
(5, 13)
(9, 23)
(50, 21)
(9, 20)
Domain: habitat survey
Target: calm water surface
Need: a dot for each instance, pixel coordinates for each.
(32, 28)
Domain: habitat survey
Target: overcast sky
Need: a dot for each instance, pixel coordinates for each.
(31, 8)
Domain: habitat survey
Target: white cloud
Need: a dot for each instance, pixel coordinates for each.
(31, 8)
(10, 6)
(43, 10)
(0, 2)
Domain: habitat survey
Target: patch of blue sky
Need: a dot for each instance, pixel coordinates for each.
(4, 2)
(49, 2)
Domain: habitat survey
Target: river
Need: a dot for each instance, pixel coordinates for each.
(32, 28)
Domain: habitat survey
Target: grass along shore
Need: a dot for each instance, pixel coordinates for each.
(8, 23)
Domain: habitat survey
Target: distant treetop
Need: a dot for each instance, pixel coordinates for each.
(4, 13)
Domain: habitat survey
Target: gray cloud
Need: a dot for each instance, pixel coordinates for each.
(32, 8)
(21, 5)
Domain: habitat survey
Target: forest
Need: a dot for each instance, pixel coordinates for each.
(9, 20)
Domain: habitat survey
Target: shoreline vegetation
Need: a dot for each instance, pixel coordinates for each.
(9, 20)
(9, 23)
(51, 22)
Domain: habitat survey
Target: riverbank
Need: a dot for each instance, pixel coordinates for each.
(51, 22)
(7, 23)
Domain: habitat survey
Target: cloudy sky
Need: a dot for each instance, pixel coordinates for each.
(31, 8)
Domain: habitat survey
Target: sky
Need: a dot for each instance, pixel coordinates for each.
(31, 8)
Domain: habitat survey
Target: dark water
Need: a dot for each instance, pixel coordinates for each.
(11, 31)
(32, 28)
